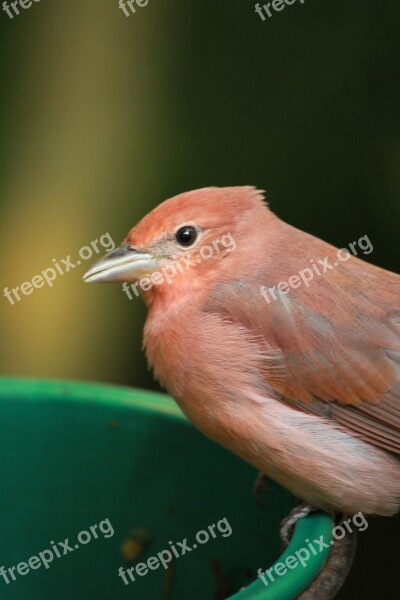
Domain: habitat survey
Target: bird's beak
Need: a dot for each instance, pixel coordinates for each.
(123, 264)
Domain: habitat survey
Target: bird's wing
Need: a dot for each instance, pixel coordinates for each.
(334, 346)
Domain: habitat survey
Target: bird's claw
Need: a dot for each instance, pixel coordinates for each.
(301, 510)
(258, 487)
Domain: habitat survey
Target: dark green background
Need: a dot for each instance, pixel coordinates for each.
(103, 116)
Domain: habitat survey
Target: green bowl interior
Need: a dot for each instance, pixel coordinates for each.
(73, 455)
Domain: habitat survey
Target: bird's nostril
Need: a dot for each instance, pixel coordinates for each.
(123, 250)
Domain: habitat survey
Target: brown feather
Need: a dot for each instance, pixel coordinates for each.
(336, 341)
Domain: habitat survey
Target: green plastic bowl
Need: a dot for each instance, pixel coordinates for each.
(74, 455)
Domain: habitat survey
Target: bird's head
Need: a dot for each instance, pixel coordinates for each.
(187, 240)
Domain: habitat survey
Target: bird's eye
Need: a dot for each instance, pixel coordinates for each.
(186, 235)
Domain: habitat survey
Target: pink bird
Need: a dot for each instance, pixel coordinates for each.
(301, 380)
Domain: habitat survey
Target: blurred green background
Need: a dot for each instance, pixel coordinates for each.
(103, 116)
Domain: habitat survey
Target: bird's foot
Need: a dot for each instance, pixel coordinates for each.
(333, 574)
(298, 512)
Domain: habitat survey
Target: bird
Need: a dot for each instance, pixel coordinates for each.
(298, 375)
